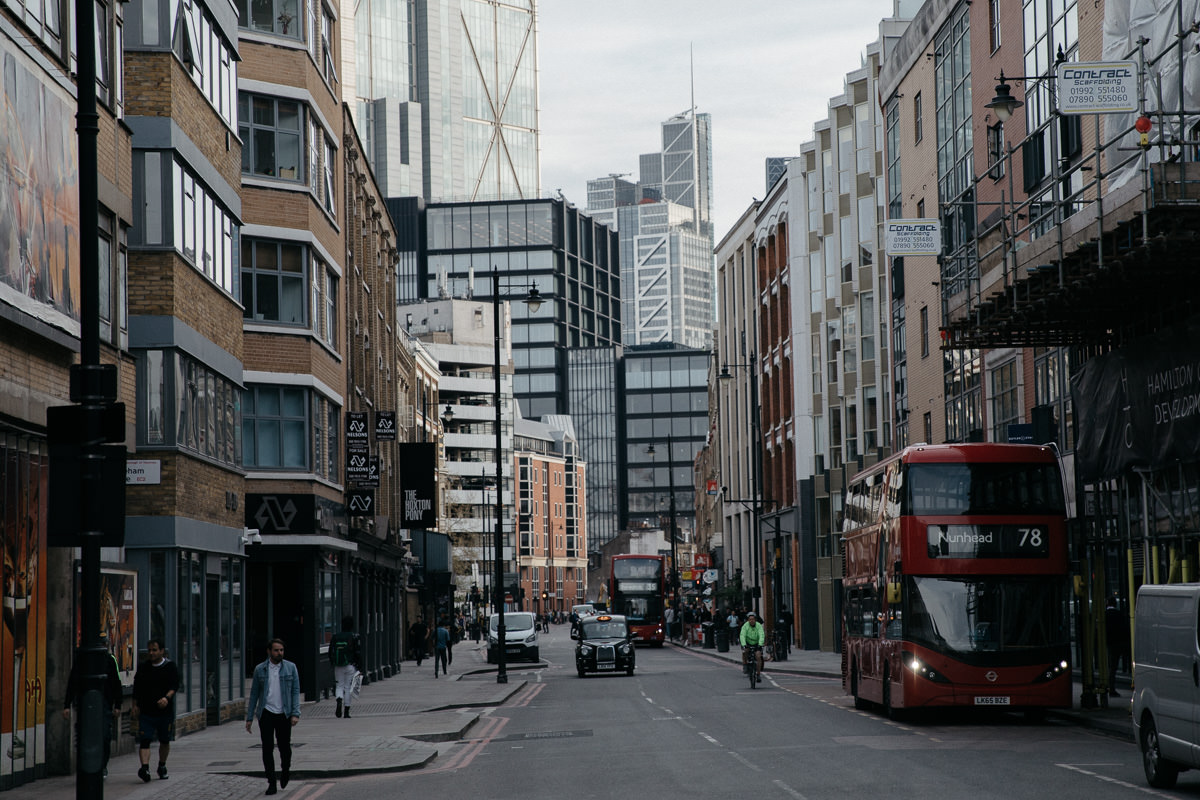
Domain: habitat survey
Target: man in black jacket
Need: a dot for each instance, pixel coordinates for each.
(345, 656)
(112, 700)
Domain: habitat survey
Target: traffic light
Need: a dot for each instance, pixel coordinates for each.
(545, 594)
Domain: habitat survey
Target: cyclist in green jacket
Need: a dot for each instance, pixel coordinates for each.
(752, 633)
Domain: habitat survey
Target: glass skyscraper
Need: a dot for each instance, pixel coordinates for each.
(444, 95)
(665, 227)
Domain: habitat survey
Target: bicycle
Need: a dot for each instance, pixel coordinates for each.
(752, 663)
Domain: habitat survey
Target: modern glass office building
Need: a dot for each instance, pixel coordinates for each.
(565, 354)
(592, 404)
(547, 244)
(665, 404)
(444, 94)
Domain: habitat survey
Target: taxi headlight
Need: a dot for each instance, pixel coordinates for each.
(625, 648)
(585, 650)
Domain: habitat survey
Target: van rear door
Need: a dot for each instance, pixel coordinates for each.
(1176, 622)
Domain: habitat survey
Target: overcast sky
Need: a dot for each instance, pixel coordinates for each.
(611, 71)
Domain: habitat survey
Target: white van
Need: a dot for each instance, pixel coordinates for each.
(1166, 665)
(520, 636)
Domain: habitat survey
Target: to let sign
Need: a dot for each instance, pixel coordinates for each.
(913, 237)
(1097, 87)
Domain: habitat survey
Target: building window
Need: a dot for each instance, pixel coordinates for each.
(327, 60)
(327, 190)
(280, 17)
(273, 281)
(1006, 405)
(1050, 382)
(44, 18)
(325, 438)
(112, 265)
(928, 427)
(924, 331)
(204, 405)
(995, 146)
(271, 130)
(895, 193)
(918, 119)
(275, 427)
(206, 56)
(203, 229)
(994, 23)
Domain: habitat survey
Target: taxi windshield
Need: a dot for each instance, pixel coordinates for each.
(604, 630)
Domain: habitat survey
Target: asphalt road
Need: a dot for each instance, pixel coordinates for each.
(687, 725)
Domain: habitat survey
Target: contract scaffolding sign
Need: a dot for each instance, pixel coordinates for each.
(913, 237)
(1097, 87)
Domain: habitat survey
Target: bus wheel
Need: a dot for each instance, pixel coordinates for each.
(859, 703)
(1160, 773)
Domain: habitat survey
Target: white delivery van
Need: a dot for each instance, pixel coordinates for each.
(520, 636)
(1166, 677)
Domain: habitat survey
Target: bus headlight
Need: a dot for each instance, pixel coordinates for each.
(1053, 671)
(919, 667)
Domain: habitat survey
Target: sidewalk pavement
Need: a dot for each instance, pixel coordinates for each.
(400, 723)
(1114, 720)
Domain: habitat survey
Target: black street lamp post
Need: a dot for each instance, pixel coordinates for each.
(671, 534)
(755, 501)
(534, 301)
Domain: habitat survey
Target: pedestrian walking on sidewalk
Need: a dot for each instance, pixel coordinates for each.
(112, 700)
(418, 639)
(441, 647)
(153, 714)
(345, 655)
(275, 700)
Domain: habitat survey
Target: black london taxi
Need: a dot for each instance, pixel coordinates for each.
(605, 645)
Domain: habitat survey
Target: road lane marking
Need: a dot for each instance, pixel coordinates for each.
(790, 790)
(710, 739)
(1117, 781)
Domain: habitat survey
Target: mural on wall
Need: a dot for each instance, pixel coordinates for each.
(39, 192)
(118, 619)
(24, 480)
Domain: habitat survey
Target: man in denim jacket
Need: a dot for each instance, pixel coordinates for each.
(275, 700)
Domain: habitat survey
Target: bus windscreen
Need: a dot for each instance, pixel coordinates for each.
(987, 620)
(956, 489)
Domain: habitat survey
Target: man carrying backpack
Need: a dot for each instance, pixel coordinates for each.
(344, 656)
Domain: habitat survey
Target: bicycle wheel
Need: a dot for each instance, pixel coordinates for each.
(752, 671)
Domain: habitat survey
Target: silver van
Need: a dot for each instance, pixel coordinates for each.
(1166, 665)
(520, 636)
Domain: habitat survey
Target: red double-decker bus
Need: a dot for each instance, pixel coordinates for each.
(955, 588)
(638, 588)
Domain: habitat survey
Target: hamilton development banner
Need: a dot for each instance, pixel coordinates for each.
(1139, 406)
(418, 484)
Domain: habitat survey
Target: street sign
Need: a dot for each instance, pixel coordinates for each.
(385, 426)
(358, 433)
(358, 467)
(913, 237)
(1097, 87)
